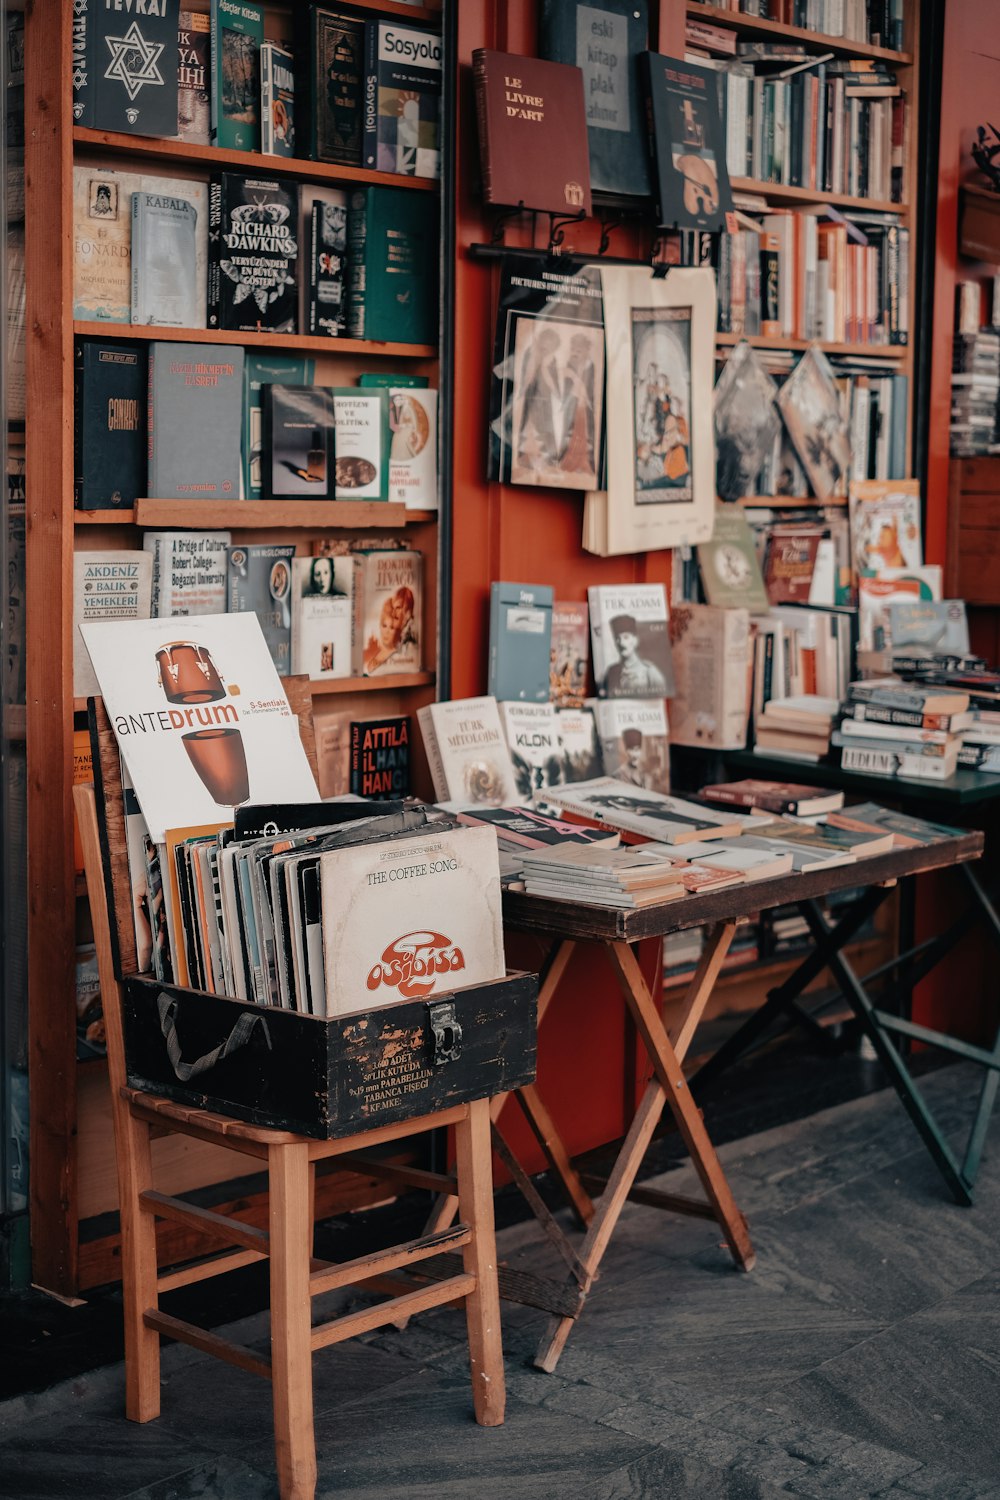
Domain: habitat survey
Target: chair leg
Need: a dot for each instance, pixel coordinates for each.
(291, 1348)
(142, 1344)
(482, 1306)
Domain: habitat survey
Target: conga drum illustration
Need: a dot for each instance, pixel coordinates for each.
(220, 760)
(188, 674)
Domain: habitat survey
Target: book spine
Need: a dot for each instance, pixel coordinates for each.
(483, 123)
(267, 100)
(84, 81)
(78, 409)
(357, 246)
(433, 753)
(214, 298)
(215, 89)
(313, 230)
(369, 135)
(138, 223)
(152, 451)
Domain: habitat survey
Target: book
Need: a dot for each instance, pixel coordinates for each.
(929, 627)
(326, 238)
(891, 693)
(413, 444)
(878, 592)
(635, 741)
(106, 586)
(253, 265)
(774, 796)
(744, 858)
(876, 761)
(259, 579)
(388, 612)
(687, 145)
(91, 1037)
(277, 100)
(630, 634)
(604, 41)
(730, 571)
(298, 440)
(532, 124)
(194, 62)
(520, 637)
(885, 525)
(110, 394)
(527, 828)
(467, 752)
(195, 402)
(404, 919)
(330, 64)
(322, 616)
(260, 369)
(361, 432)
(907, 831)
(532, 734)
(164, 261)
(188, 572)
(333, 753)
(402, 100)
(654, 815)
(805, 857)
(809, 404)
(237, 35)
(905, 718)
(102, 238)
(710, 707)
(569, 654)
(789, 563)
(580, 746)
(202, 723)
(392, 244)
(131, 67)
(380, 757)
(82, 63)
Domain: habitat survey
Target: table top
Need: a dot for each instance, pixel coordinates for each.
(964, 789)
(611, 924)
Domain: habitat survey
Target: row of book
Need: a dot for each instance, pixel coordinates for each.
(254, 254)
(216, 422)
(879, 23)
(352, 613)
(340, 89)
(975, 393)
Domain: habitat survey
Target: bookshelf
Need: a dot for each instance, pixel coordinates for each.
(72, 1162)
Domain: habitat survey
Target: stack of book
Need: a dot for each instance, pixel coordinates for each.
(603, 877)
(887, 727)
(519, 829)
(797, 727)
(975, 390)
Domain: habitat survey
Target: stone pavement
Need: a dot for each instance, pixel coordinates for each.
(860, 1358)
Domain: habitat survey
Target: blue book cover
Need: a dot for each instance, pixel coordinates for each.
(520, 641)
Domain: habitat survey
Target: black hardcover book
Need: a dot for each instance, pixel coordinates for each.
(327, 264)
(110, 431)
(299, 443)
(690, 180)
(603, 38)
(125, 66)
(330, 71)
(253, 254)
(380, 757)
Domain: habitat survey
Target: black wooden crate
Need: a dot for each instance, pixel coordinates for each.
(329, 1078)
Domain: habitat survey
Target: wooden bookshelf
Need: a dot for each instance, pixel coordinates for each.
(309, 515)
(869, 351)
(302, 342)
(777, 192)
(388, 682)
(756, 26)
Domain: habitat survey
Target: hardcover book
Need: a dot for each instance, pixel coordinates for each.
(885, 524)
(253, 254)
(237, 35)
(82, 61)
(467, 752)
(202, 721)
(789, 563)
(635, 741)
(392, 241)
(259, 579)
(195, 400)
(298, 440)
(712, 660)
(260, 369)
(322, 620)
(630, 633)
(193, 72)
(690, 179)
(413, 472)
(361, 430)
(277, 100)
(569, 655)
(402, 100)
(730, 571)
(407, 918)
(327, 241)
(106, 586)
(330, 47)
(165, 287)
(102, 238)
(380, 757)
(131, 74)
(336, 200)
(532, 733)
(604, 41)
(189, 572)
(388, 612)
(110, 424)
(775, 796)
(520, 641)
(581, 749)
(532, 132)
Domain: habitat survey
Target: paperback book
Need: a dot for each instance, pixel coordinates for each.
(165, 288)
(467, 752)
(885, 525)
(326, 236)
(413, 472)
(237, 35)
(260, 580)
(361, 431)
(710, 707)
(195, 404)
(125, 66)
(402, 100)
(380, 757)
(298, 440)
(102, 238)
(260, 369)
(669, 820)
(189, 572)
(690, 180)
(774, 796)
(194, 62)
(635, 741)
(580, 746)
(569, 655)
(630, 633)
(277, 100)
(520, 636)
(730, 570)
(253, 254)
(388, 612)
(106, 586)
(321, 616)
(532, 733)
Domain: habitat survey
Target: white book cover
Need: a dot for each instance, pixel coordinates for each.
(360, 466)
(630, 634)
(474, 763)
(635, 743)
(877, 595)
(413, 477)
(532, 732)
(195, 192)
(106, 586)
(580, 747)
(407, 918)
(189, 572)
(321, 616)
(741, 857)
(200, 716)
(671, 820)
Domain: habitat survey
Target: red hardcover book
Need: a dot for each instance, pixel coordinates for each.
(788, 567)
(532, 132)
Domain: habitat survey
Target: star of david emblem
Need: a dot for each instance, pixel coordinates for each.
(133, 61)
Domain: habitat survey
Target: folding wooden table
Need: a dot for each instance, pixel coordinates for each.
(614, 931)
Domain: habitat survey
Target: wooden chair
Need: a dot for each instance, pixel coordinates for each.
(295, 1277)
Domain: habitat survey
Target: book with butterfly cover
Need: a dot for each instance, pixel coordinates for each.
(253, 254)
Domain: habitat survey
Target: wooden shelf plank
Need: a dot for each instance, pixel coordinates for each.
(869, 351)
(189, 153)
(387, 682)
(307, 344)
(120, 515)
(790, 502)
(273, 513)
(772, 30)
(781, 193)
